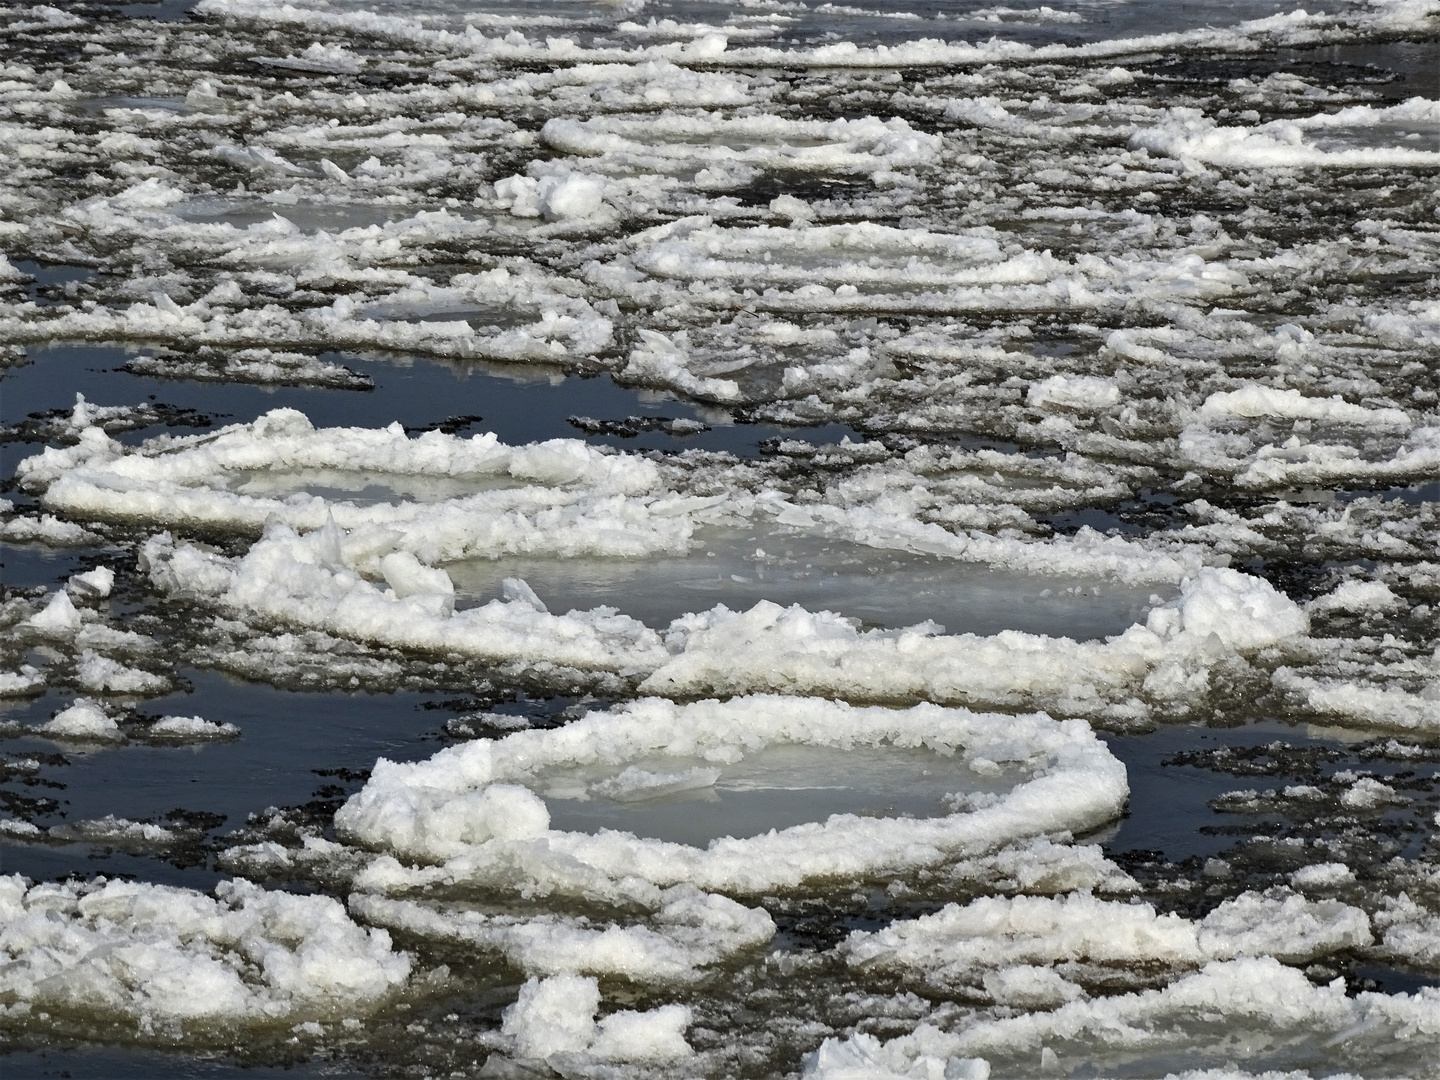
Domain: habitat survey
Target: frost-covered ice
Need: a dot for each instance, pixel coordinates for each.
(803, 761)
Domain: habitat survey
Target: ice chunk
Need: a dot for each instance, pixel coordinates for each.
(1083, 393)
(133, 950)
(57, 618)
(190, 728)
(657, 1035)
(571, 196)
(83, 721)
(95, 583)
(553, 1015)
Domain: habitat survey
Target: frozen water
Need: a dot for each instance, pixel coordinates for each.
(628, 538)
(880, 588)
(694, 803)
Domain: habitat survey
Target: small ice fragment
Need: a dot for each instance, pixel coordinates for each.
(59, 617)
(95, 583)
(1321, 874)
(191, 727)
(653, 1036)
(553, 1015)
(83, 720)
(797, 210)
(573, 196)
(333, 171)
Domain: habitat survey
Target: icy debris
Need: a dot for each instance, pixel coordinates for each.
(553, 1015)
(102, 675)
(1410, 933)
(83, 721)
(1367, 793)
(27, 680)
(1322, 875)
(93, 584)
(133, 950)
(1358, 597)
(1193, 1016)
(1196, 140)
(1084, 393)
(114, 831)
(58, 618)
(295, 580)
(795, 651)
(1252, 400)
(1283, 925)
(190, 729)
(46, 529)
(557, 1016)
(263, 366)
(688, 932)
(466, 805)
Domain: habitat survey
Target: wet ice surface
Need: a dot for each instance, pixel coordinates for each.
(739, 568)
(471, 393)
(774, 789)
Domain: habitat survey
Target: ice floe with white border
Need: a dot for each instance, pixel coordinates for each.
(467, 808)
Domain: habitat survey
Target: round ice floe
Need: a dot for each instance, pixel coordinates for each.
(136, 950)
(1060, 778)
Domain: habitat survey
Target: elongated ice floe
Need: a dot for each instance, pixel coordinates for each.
(689, 931)
(959, 945)
(1196, 1019)
(162, 956)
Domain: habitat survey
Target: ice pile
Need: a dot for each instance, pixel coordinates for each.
(165, 958)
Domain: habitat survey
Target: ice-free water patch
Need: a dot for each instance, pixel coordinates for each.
(739, 567)
(693, 801)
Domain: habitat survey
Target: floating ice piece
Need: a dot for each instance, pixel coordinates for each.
(102, 675)
(557, 1016)
(445, 808)
(132, 950)
(83, 721)
(27, 680)
(295, 580)
(1083, 393)
(93, 584)
(1196, 1018)
(795, 651)
(1322, 875)
(553, 1015)
(574, 195)
(1364, 705)
(58, 618)
(119, 832)
(1191, 137)
(688, 932)
(1253, 400)
(674, 141)
(1358, 597)
(190, 729)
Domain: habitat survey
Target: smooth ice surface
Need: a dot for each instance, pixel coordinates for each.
(880, 588)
